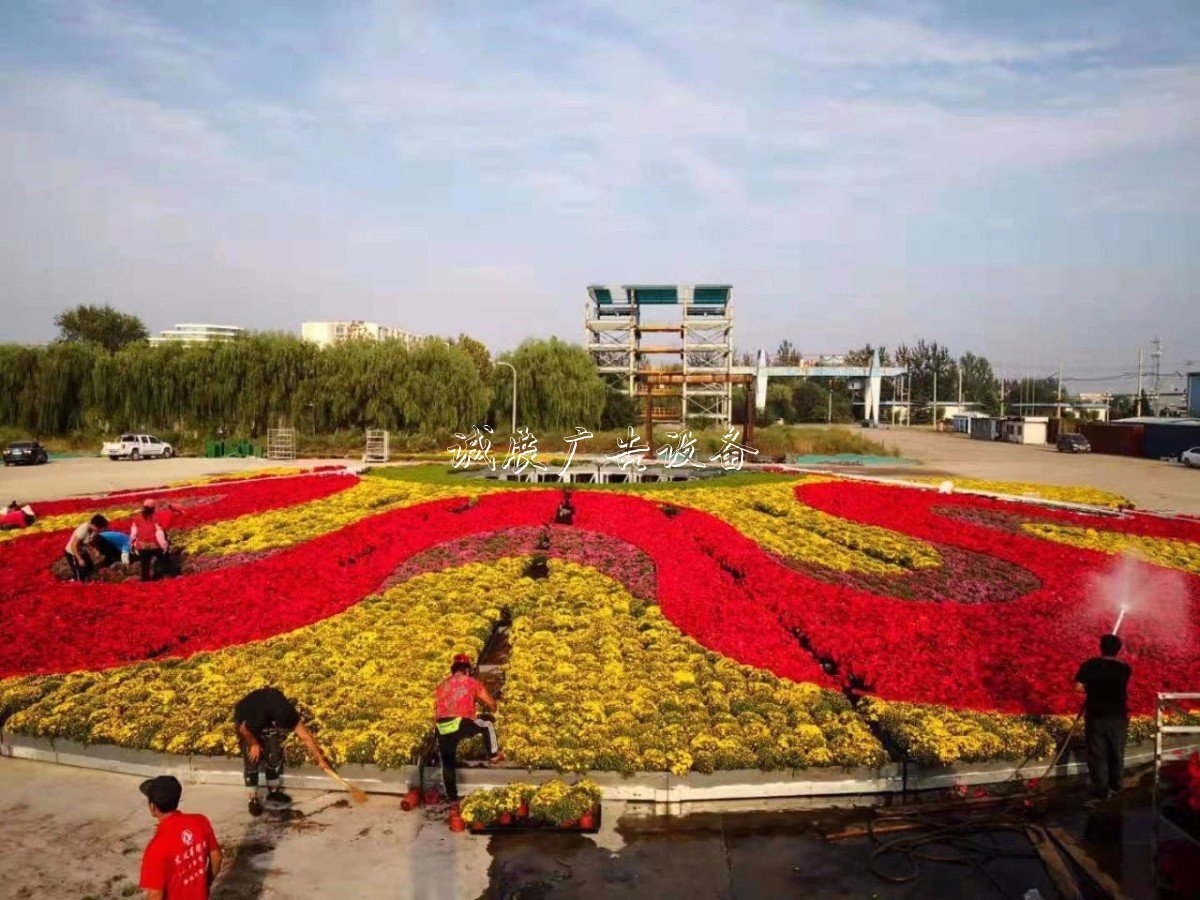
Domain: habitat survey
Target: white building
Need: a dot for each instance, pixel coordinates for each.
(197, 333)
(1025, 430)
(325, 333)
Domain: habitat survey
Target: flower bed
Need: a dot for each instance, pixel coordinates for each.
(762, 626)
(552, 805)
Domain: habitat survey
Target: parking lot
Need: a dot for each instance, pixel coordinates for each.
(1150, 484)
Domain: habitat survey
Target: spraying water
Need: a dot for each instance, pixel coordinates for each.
(1153, 598)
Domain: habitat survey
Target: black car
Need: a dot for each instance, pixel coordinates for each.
(1073, 443)
(25, 452)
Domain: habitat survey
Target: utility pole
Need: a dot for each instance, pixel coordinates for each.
(1139, 387)
(829, 414)
(1156, 355)
(1058, 407)
(960, 409)
(935, 397)
(1003, 388)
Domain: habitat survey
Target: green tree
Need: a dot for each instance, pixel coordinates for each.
(779, 403)
(786, 355)
(101, 325)
(480, 355)
(442, 389)
(810, 401)
(862, 356)
(558, 387)
(620, 410)
(929, 365)
(979, 382)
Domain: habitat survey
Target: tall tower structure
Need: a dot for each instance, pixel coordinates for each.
(638, 334)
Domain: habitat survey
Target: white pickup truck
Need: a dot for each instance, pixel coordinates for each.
(136, 446)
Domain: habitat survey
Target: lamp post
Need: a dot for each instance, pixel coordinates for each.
(514, 397)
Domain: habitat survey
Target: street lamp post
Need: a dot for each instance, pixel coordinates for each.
(514, 394)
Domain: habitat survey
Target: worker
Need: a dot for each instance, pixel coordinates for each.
(454, 718)
(1105, 681)
(78, 559)
(16, 516)
(111, 545)
(183, 857)
(149, 541)
(565, 513)
(264, 718)
(166, 514)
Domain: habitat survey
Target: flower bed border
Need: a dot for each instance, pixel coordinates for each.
(664, 793)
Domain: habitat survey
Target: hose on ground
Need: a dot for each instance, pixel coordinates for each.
(951, 838)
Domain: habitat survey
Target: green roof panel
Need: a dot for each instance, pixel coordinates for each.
(645, 296)
(714, 294)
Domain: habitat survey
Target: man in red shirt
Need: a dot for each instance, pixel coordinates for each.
(454, 716)
(183, 857)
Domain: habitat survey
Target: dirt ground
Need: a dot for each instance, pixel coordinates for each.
(1150, 484)
(85, 476)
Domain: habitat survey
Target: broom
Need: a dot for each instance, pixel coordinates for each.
(357, 794)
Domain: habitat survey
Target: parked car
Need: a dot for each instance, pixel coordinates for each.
(1191, 458)
(29, 453)
(137, 446)
(1073, 443)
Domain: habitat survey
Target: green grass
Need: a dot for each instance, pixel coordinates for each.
(444, 475)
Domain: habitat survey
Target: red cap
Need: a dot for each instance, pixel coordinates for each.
(461, 659)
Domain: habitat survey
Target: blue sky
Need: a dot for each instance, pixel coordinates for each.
(1020, 179)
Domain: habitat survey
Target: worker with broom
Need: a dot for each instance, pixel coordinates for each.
(1105, 681)
(454, 717)
(264, 718)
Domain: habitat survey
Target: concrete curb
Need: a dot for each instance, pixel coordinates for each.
(666, 793)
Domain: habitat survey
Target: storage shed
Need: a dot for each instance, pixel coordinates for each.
(1024, 429)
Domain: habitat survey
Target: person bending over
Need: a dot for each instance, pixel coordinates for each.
(1105, 681)
(264, 718)
(111, 545)
(76, 551)
(150, 541)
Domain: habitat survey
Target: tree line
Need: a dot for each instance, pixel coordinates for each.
(932, 370)
(262, 380)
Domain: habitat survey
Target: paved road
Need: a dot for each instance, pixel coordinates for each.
(1154, 485)
(86, 476)
(76, 833)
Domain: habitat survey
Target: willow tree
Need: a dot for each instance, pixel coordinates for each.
(60, 386)
(442, 389)
(557, 387)
(17, 367)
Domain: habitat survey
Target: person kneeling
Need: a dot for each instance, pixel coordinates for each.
(454, 717)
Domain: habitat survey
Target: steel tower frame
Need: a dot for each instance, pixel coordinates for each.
(614, 327)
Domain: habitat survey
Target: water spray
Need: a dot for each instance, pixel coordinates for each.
(1120, 619)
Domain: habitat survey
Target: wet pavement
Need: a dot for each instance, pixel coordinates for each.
(768, 855)
(76, 833)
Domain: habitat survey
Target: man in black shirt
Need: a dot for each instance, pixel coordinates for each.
(1105, 680)
(264, 718)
